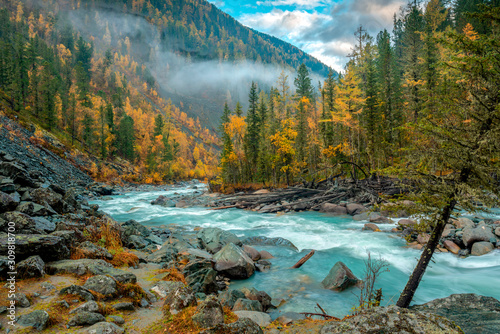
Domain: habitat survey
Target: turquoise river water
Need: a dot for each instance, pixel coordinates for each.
(334, 239)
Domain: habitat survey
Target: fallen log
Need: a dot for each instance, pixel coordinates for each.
(224, 207)
(326, 316)
(303, 260)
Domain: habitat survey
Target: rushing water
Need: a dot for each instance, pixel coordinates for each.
(334, 239)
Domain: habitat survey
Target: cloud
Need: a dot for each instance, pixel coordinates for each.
(298, 3)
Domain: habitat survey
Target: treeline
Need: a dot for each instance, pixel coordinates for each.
(364, 120)
(100, 100)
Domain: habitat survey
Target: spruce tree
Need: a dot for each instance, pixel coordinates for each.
(303, 84)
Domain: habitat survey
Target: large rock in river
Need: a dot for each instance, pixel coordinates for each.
(265, 241)
(233, 262)
(392, 320)
(473, 313)
(214, 238)
(340, 278)
(481, 233)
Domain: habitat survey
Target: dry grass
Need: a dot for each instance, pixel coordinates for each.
(132, 292)
(105, 309)
(124, 258)
(174, 275)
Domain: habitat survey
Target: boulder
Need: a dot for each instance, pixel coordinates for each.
(45, 225)
(24, 224)
(481, 248)
(265, 241)
(46, 196)
(163, 288)
(168, 251)
(77, 290)
(49, 247)
(136, 242)
(124, 306)
(475, 314)
(209, 313)
(380, 220)
(451, 246)
(104, 285)
(179, 299)
(333, 209)
(289, 317)
(340, 278)
(201, 276)
(265, 255)
(163, 201)
(263, 265)
(116, 319)
(90, 306)
(391, 319)
(355, 208)
(33, 209)
(31, 267)
(17, 173)
(261, 296)
(104, 327)
(89, 266)
(37, 319)
(463, 223)
(481, 233)
(243, 304)
(404, 223)
(229, 297)
(7, 203)
(21, 300)
(241, 326)
(423, 238)
(92, 251)
(371, 227)
(251, 252)
(448, 230)
(84, 318)
(233, 262)
(214, 238)
(497, 231)
(131, 227)
(260, 318)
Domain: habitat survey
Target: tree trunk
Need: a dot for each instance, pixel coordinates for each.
(409, 291)
(303, 260)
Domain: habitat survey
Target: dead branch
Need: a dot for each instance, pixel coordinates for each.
(303, 260)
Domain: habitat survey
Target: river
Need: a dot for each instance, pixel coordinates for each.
(334, 239)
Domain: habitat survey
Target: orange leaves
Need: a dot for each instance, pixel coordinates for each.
(469, 32)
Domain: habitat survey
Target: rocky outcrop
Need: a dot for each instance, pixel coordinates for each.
(340, 278)
(392, 320)
(232, 262)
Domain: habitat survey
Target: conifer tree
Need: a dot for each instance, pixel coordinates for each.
(303, 83)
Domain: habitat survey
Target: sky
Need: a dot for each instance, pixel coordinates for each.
(323, 28)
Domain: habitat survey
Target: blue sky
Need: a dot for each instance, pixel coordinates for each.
(323, 28)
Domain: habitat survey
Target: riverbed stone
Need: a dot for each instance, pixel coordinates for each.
(251, 252)
(201, 276)
(104, 327)
(334, 209)
(37, 319)
(90, 266)
(481, 233)
(451, 246)
(371, 227)
(289, 317)
(124, 306)
(244, 304)
(84, 318)
(449, 229)
(497, 231)
(404, 223)
(179, 299)
(475, 314)
(90, 306)
(209, 313)
(423, 238)
(21, 300)
(24, 223)
(340, 278)
(233, 262)
(260, 318)
(214, 238)
(355, 208)
(102, 284)
(49, 247)
(380, 220)
(93, 251)
(392, 319)
(229, 297)
(46, 196)
(265, 241)
(481, 248)
(463, 222)
(31, 267)
(77, 290)
(163, 288)
(265, 255)
(7, 203)
(263, 265)
(241, 326)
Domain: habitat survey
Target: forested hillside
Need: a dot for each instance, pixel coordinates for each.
(405, 99)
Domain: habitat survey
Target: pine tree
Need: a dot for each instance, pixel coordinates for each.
(303, 84)
(252, 136)
(126, 138)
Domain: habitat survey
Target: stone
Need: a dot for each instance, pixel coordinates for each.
(45, 225)
(88, 266)
(406, 223)
(391, 319)
(243, 304)
(104, 285)
(251, 252)
(233, 262)
(209, 313)
(241, 326)
(7, 203)
(24, 224)
(451, 246)
(355, 208)
(33, 209)
(260, 318)
(124, 306)
(137, 242)
(333, 209)
(463, 223)
(116, 319)
(371, 227)
(448, 230)
(481, 248)
(229, 297)
(179, 299)
(46, 196)
(168, 251)
(21, 300)
(423, 238)
(380, 220)
(475, 314)
(90, 306)
(340, 278)
(265, 241)
(104, 327)
(17, 173)
(37, 319)
(480, 233)
(289, 317)
(163, 288)
(92, 251)
(263, 265)
(49, 247)
(265, 255)
(497, 231)
(213, 239)
(31, 267)
(201, 276)
(84, 318)
(131, 227)
(261, 296)
(77, 290)
(181, 204)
